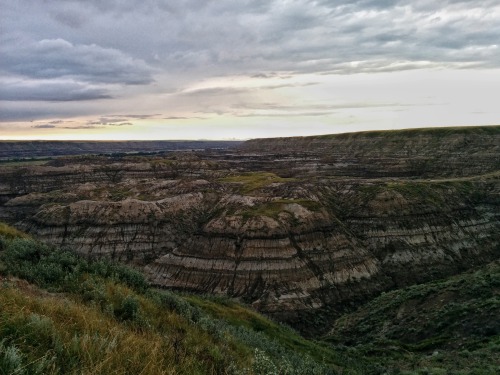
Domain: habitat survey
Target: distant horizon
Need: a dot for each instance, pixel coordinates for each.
(248, 139)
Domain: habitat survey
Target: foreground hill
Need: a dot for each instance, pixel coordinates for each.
(445, 326)
(303, 229)
(62, 314)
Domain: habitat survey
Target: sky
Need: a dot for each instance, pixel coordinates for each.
(226, 69)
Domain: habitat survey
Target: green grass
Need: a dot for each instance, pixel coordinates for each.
(117, 194)
(62, 314)
(433, 193)
(439, 131)
(23, 163)
(274, 208)
(9, 232)
(256, 180)
(240, 316)
(66, 336)
(447, 325)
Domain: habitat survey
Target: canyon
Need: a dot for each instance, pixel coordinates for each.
(303, 229)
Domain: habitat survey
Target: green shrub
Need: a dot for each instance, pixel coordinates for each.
(128, 309)
(61, 269)
(11, 360)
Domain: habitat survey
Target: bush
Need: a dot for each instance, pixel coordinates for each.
(128, 309)
(106, 269)
(61, 269)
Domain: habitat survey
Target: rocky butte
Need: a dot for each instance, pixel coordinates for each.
(302, 228)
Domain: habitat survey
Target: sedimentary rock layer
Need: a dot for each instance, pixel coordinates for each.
(297, 243)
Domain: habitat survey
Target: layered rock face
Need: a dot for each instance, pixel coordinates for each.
(290, 260)
(409, 153)
(299, 244)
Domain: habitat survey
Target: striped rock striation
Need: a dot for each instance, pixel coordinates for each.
(300, 244)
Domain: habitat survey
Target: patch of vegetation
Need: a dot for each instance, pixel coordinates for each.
(243, 318)
(434, 193)
(256, 180)
(443, 131)
(9, 232)
(441, 326)
(274, 208)
(24, 162)
(117, 194)
(369, 191)
(69, 315)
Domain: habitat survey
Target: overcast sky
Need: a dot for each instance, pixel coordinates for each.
(222, 69)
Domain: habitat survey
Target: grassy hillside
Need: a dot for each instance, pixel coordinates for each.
(431, 131)
(61, 314)
(439, 131)
(442, 327)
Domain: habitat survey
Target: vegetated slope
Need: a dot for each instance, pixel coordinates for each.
(60, 314)
(302, 234)
(447, 326)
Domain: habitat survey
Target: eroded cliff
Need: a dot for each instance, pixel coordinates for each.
(299, 229)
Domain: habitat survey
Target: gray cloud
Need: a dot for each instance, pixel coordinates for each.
(118, 118)
(184, 118)
(226, 90)
(280, 110)
(40, 90)
(18, 111)
(100, 43)
(55, 122)
(214, 91)
(44, 126)
(289, 114)
(314, 107)
(69, 124)
(103, 121)
(80, 127)
(56, 58)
